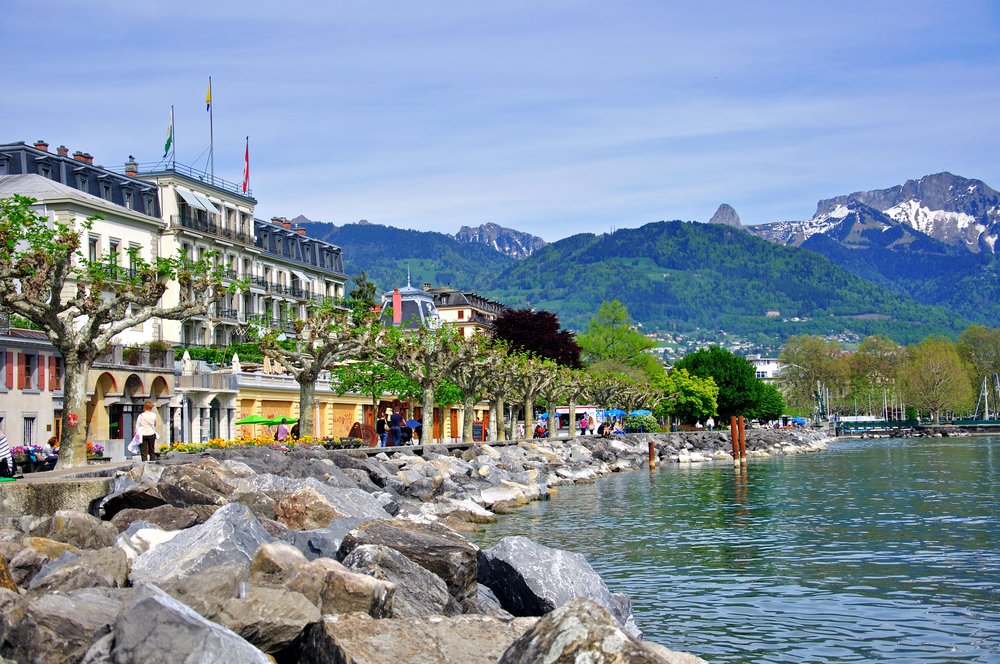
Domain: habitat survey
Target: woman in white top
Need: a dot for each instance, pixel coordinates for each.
(145, 426)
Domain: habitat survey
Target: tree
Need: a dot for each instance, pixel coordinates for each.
(532, 375)
(979, 347)
(373, 379)
(872, 370)
(424, 355)
(808, 361)
(611, 335)
(735, 377)
(686, 397)
(471, 374)
(329, 334)
(82, 304)
(768, 403)
(539, 333)
(933, 377)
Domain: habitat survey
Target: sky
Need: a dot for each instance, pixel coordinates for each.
(549, 117)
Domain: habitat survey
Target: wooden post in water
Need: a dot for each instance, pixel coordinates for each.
(734, 430)
(652, 455)
(743, 442)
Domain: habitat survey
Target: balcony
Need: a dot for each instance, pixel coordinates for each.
(231, 314)
(263, 320)
(158, 168)
(210, 228)
(136, 357)
(206, 381)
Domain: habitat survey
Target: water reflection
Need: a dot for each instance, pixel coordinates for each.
(883, 550)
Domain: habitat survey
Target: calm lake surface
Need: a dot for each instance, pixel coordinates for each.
(873, 551)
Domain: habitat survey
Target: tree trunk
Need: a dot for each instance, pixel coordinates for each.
(469, 410)
(73, 446)
(307, 399)
(427, 422)
(496, 419)
(513, 427)
(529, 415)
(572, 418)
(553, 422)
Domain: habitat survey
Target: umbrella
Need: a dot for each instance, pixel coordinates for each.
(274, 421)
(252, 419)
(615, 412)
(543, 416)
(413, 424)
(640, 412)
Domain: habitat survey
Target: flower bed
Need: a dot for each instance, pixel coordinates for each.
(266, 441)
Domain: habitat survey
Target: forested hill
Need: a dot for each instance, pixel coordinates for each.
(385, 253)
(683, 275)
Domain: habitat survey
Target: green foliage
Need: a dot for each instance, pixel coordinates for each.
(611, 335)
(373, 379)
(248, 352)
(641, 422)
(23, 323)
(686, 397)
(768, 404)
(735, 377)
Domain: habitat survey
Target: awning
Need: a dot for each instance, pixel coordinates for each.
(303, 277)
(192, 199)
(209, 205)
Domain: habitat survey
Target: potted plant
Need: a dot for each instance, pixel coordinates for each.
(95, 450)
(157, 351)
(132, 354)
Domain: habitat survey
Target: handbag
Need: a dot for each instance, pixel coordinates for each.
(135, 444)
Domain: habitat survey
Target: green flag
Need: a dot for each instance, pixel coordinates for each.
(170, 134)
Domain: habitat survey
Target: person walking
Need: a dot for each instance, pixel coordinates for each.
(583, 425)
(145, 426)
(710, 423)
(380, 429)
(396, 426)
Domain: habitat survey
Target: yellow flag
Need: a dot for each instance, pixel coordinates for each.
(208, 96)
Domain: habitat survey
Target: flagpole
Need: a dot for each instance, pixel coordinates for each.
(173, 139)
(211, 130)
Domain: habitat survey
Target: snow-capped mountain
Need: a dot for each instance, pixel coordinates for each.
(507, 241)
(954, 210)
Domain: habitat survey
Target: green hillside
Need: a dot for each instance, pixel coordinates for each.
(386, 253)
(683, 275)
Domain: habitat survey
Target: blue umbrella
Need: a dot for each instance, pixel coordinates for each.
(615, 412)
(413, 424)
(543, 416)
(641, 412)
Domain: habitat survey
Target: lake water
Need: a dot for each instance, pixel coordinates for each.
(872, 551)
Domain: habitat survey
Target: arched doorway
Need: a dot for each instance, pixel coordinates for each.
(214, 424)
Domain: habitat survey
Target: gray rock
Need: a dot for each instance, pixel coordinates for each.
(485, 603)
(231, 535)
(57, 627)
(531, 579)
(166, 517)
(272, 619)
(131, 496)
(103, 568)
(583, 631)
(434, 547)
(81, 530)
(154, 627)
(194, 484)
(322, 542)
(419, 592)
(436, 640)
(727, 216)
(208, 591)
(336, 589)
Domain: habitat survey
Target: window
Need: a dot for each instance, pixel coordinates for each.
(30, 370)
(29, 430)
(92, 248)
(3, 370)
(44, 170)
(129, 203)
(134, 251)
(57, 373)
(106, 191)
(461, 314)
(115, 248)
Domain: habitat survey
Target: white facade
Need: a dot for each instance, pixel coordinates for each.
(767, 368)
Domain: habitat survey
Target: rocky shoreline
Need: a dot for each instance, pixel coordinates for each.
(250, 554)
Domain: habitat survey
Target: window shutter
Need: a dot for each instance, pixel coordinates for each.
(20, 370)
(10, 371)
(52, 374)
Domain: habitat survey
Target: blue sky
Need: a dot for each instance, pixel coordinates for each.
(548, 117)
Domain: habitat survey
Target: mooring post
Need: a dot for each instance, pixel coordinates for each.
(652, 455)
(734, 430)
(743, 442)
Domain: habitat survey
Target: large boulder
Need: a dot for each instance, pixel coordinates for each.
(154, 627)
(336, 589)
(358, 638)
(131, 495)
(321, 542)
(419, 592)
(57, 627)
(103, 568)
(305, 509)
(231, 535)
(166, 517)
(583, 631)
(273, 619)
(81, 530)
(432, 546)
(142, 536)
(208, 591)
(531, 579)
(198, 483)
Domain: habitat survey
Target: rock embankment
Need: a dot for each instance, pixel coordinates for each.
(251, 555)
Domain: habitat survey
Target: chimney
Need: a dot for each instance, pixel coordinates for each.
(300, 230)
(426, 286)
(131, 166)
(282, 221)
(89, 158)
(63, 151)
(41, 145)
(79, 156)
